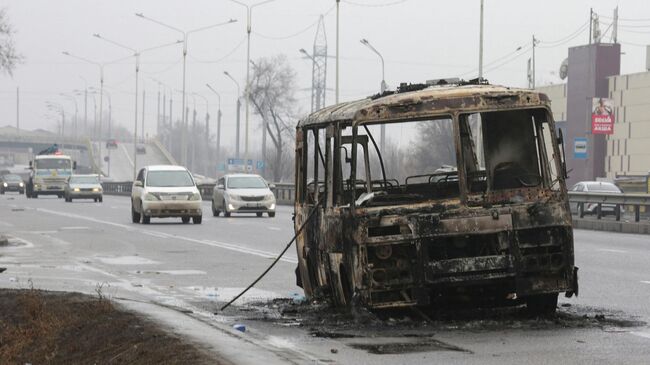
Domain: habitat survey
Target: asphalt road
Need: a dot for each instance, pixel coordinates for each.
(179, 274)
(121, 160)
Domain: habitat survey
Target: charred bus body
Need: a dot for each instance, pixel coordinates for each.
(433, 194)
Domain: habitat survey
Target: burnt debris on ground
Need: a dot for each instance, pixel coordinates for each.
(326, 321)
(70, 328)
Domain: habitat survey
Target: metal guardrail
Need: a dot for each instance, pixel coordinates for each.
(284, 193)
(636, 201)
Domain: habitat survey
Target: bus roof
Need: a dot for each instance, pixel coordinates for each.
(429, 101)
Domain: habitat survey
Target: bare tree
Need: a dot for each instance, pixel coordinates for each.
(9, 57)
(273, 86)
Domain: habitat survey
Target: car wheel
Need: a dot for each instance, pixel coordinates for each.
(21, 192)
(101, 199)
(226, 213)
(135, 216)
(215, 211)
(146, 219)
(271, 214)
(197, 219)
(185, 220)
(258, 214)
(59, 196)
(2, 192)
(35, 196)
(95, 199)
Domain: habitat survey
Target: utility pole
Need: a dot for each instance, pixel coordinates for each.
(533, 66)
(158, 112)
(591, 22)
(337, 51)
(143, 99)
(615, 26)
(18, 110)
(480, 46)
(86, 111)
(171, 124)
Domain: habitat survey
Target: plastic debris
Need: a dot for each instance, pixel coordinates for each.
(239, 327)
(297, 298)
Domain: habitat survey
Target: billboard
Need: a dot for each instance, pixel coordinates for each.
(602, 116)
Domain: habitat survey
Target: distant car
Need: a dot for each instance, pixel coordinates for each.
(111, 144)
(11, 182)
(83, 187)
(164, 191)
(140, 149)
(595, 187)
(242, 193)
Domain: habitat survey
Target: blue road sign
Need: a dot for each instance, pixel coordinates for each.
(580, 148)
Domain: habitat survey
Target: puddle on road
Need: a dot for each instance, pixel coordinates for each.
(378, 347)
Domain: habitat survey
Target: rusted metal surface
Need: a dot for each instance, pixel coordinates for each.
(499, 241)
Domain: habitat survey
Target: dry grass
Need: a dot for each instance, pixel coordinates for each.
(66, 328)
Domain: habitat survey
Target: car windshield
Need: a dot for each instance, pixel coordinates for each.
(162, 179)
(12, 178)
(54, 163)
(246, 182)
(605, 188)
(84, 180)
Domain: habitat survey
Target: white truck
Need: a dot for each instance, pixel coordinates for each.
(49, 174)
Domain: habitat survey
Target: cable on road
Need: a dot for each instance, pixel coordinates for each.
(311, 214)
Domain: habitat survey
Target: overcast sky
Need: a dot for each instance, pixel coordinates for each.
(419, 39)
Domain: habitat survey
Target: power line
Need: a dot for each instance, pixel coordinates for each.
(230, 53)
(365, 5)
(487, 65)
(278, 38)
(558, 42)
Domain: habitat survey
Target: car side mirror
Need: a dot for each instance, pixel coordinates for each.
(271, 186)
(30, 164)
(220, 186)
(74, 165)
(137, 183)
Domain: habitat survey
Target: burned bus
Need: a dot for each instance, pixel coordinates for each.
(432, 194)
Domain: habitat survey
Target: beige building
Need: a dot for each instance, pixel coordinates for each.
(628, 148)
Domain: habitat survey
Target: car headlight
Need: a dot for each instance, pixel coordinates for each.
(96, 189)
(5, 184)
(150, 197)
(21, 184)
(234, 196)
(195, 196)
(76, 189)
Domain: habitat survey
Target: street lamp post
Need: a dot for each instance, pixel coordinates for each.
(76, 110)
(207, 133)
(101, 88)
(383, 87)
(110, 126)
(136, 54)
(237, 137)
(218, 121)
(249, 13)
(185, 38)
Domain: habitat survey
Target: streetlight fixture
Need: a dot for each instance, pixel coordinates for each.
(238, 109)
(219, 120)
(58, 108)
(136, 54)
(383, 87)
(185, 37)
(249, 14)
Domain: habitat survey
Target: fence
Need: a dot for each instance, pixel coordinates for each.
(635, 201)
(284, 193)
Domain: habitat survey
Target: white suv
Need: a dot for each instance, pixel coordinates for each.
(165, 191)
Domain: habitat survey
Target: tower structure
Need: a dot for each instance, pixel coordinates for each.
(319, 67)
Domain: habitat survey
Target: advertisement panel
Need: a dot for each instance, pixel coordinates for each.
(602, 116)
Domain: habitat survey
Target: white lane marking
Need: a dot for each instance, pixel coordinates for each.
(6, 224)
(611, 250)
(645, 282)
(641, 334)
(274, 228)
(126, 153)
(228, 246)
(172, 272)
(73, 228)
(127, 260)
